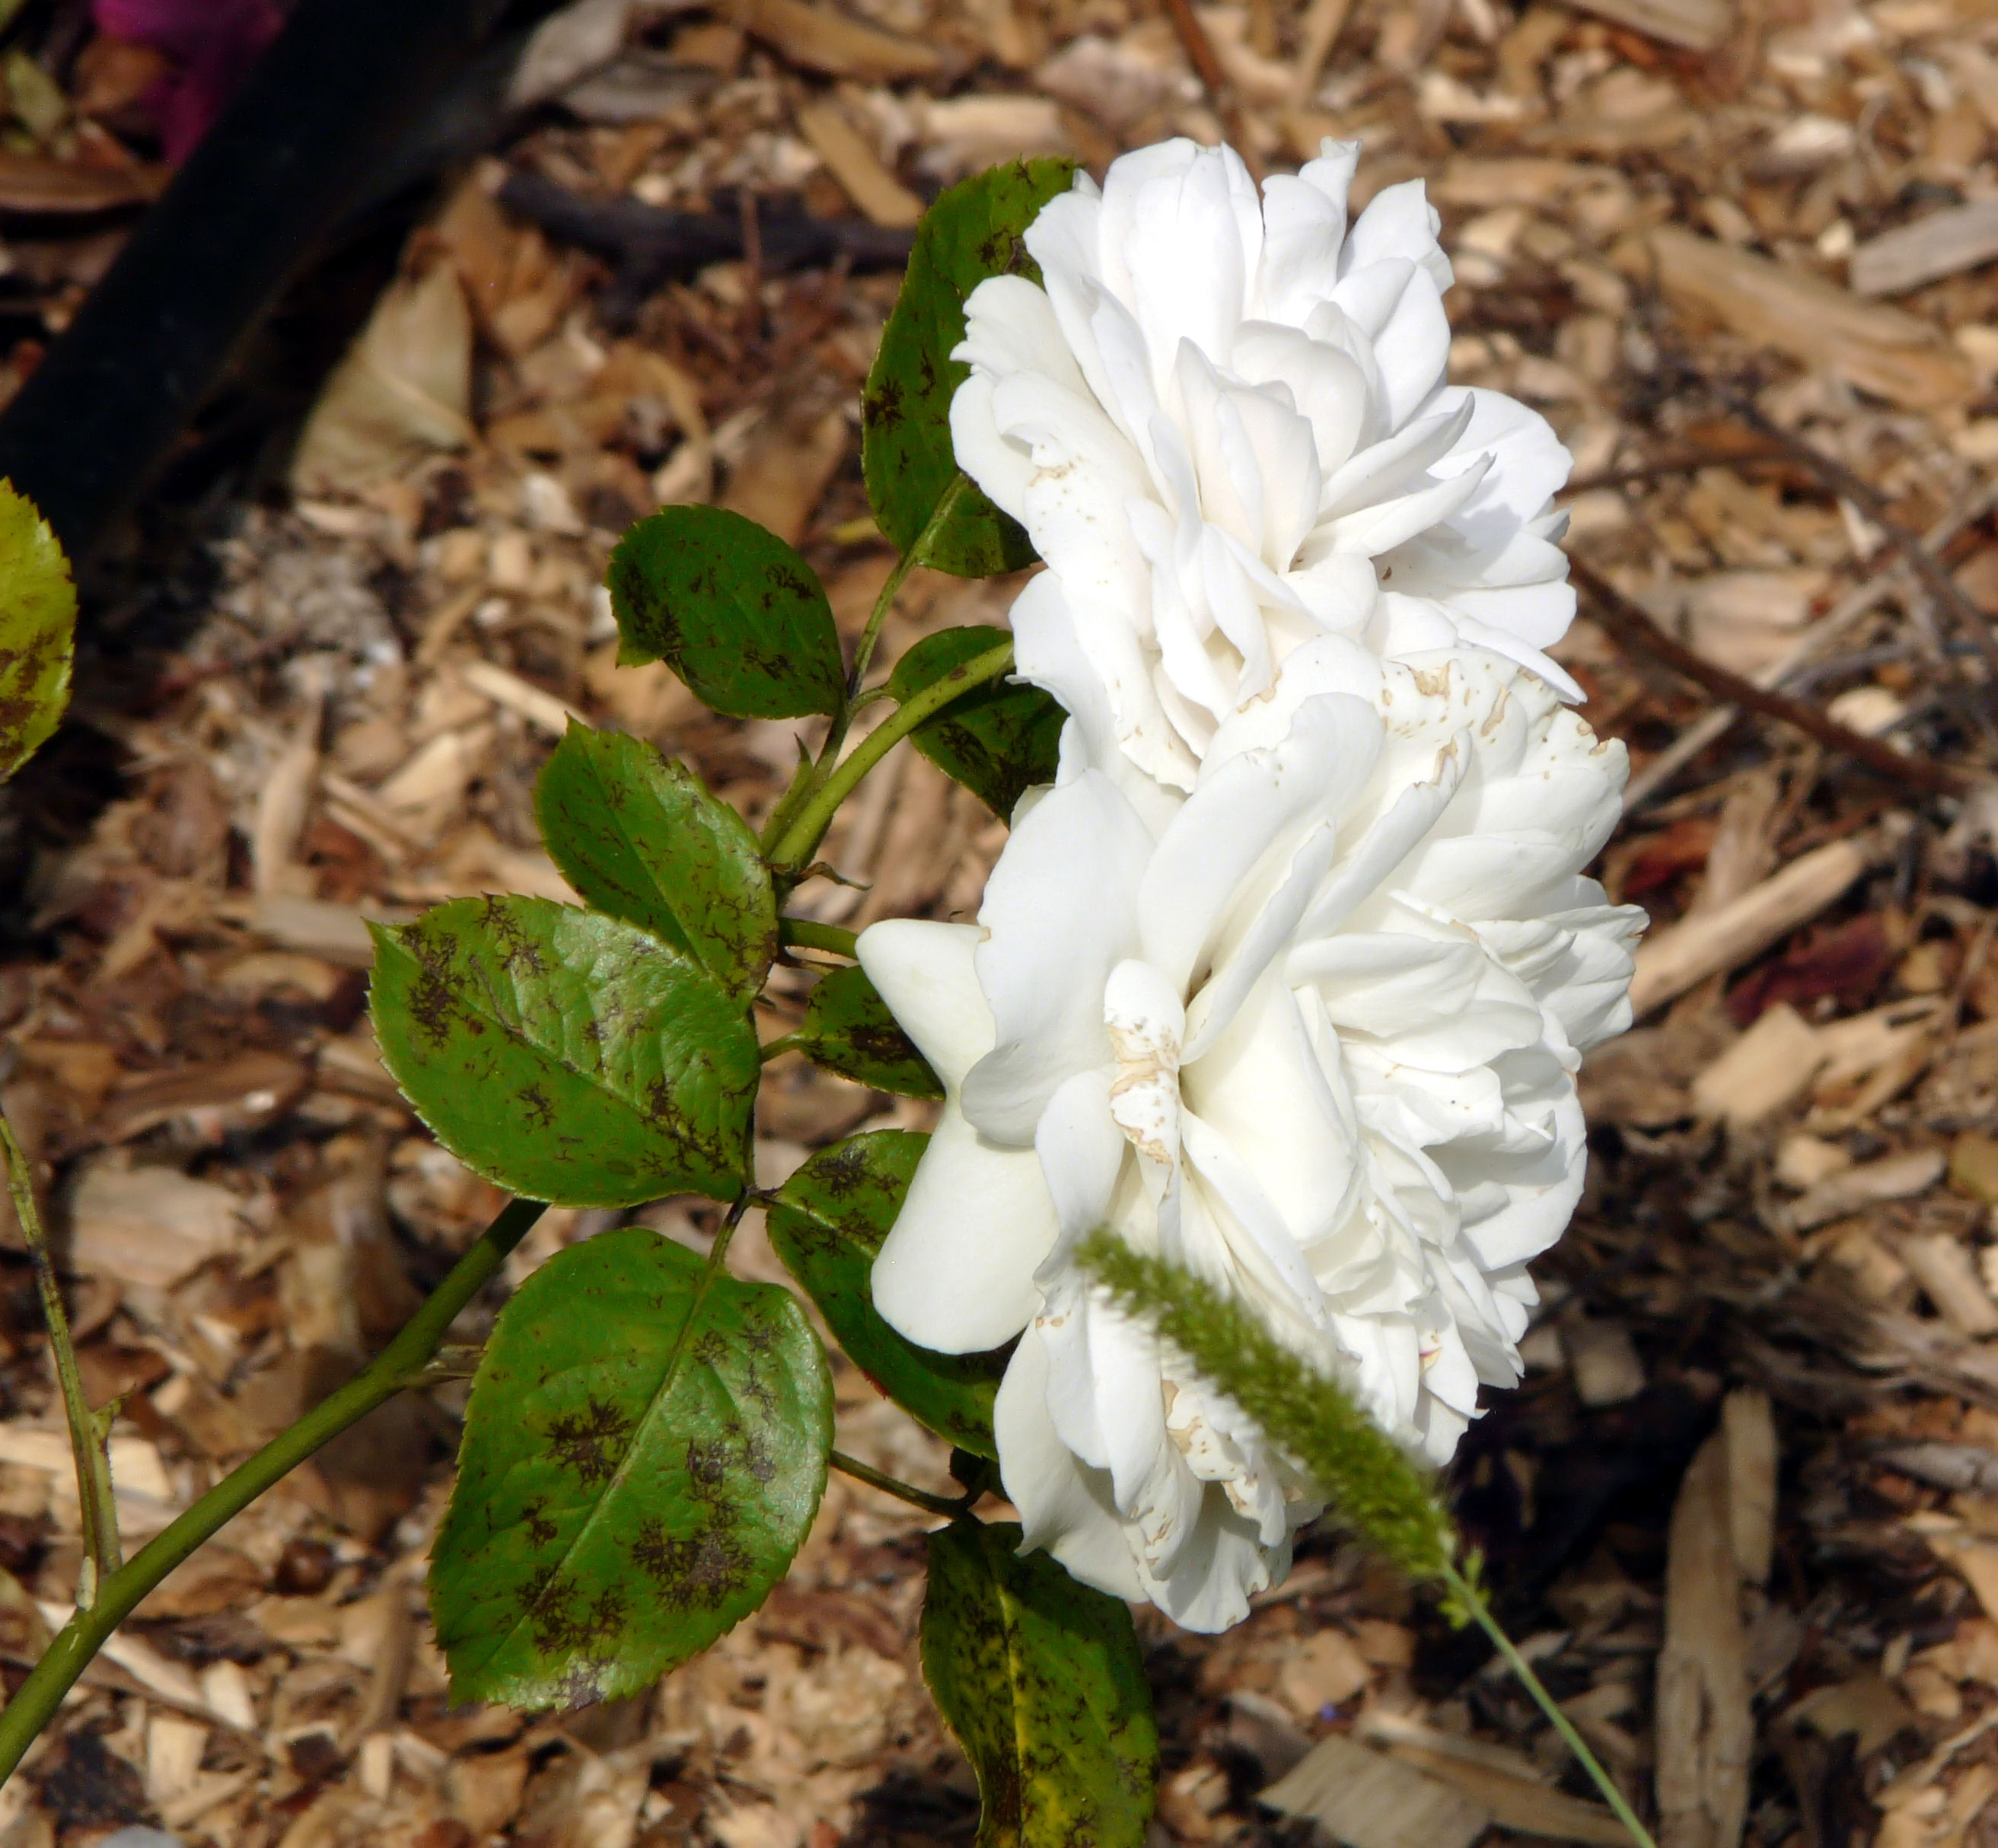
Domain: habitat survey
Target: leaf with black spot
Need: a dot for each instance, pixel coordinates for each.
(37, 629)
(999, 740)
(644, 1450)
(731, 609)
(827, 1223)
(568, 1056)
(847, 1029)
(971, 233)
(642, 837)
(1042, 1681)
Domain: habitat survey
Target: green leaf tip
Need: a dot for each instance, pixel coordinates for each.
(568, 1056)
(1370, 1481)
(827, 1223)
(971, 232)
(1001, 739)
(644, 1450)
(642, 838)
(1042, 1681)
(847, 1029)
(37, 629)
(731, 608)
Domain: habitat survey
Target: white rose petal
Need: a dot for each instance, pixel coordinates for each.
(1311, 1031)
(1225, 424)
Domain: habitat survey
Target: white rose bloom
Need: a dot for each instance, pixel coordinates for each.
(1312, 1031)
(1226, 426)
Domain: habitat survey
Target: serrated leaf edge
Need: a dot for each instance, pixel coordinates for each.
(822, 1374)
(389, 936)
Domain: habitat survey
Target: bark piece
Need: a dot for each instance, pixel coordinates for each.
(1677, 958)
(1705, 1734)
(856, 167)
(152, 1226)
(1698, 24)
(822, 40)
(1892, 354)
(1944, 243)
(1768, 1069)
(1368, 1800)
(1892, 1177)
(1948, 1276)
(1750, 1428)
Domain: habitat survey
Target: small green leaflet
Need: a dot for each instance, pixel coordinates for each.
(998, 740)
(731, 609)
(566, 1056)
(639, 836)
(1042, 1681)
(847, 1029)
(827, 1223)
(644, 1450)
(37, 631)
(971, 233)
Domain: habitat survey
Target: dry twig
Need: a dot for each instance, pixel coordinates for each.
(1630, 625)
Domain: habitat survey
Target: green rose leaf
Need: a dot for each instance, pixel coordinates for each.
(731, 609)
(37, 629)
(642, 838)
(998, 739)
(568, 1056)
(644, 1450)
(1041, 1679)
(847, 1029)
(827, 1223)
(971, 233)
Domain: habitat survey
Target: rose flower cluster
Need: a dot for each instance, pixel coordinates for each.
(1287, 976)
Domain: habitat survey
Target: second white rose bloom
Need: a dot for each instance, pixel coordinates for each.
(1225, 424)
(1312, 1031)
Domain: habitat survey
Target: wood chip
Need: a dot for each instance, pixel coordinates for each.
(1749, 1430)
(1604, 1361)
(1706, 1733)
(1947, 1274)
(1803, 1161)
(33, 183)
(1698, 24)
(1766, 1070)
(1670, 962)
(152, 1226)
(336, 933)
(1325, 1670)
(1506, 1784)
(540, 709)
(783, 474)
(174, 1749)
(1973, 1165)
(1894, 355)
(211, 1101)
(1944, 243)
(856, 167)
(1892, 1177)
(822, 40)
(1865, 1705)
(403, 391)
(1367, 1800)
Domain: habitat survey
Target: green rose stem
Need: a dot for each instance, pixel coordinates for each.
(902, 1491)
(803, 933)
(120, 1593)
(815, 815)
(811, 775)
(88, 1432)
(941, 516)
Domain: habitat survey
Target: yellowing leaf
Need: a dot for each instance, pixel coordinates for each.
(37, 629)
